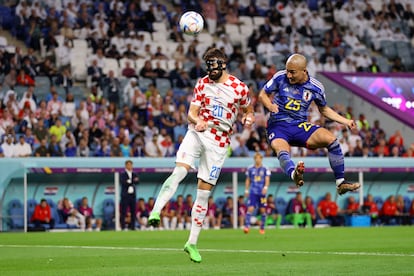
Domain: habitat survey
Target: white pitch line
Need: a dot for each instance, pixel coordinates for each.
(377, 254)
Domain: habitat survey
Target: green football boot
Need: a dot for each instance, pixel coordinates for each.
(154, 219)
(192, 250)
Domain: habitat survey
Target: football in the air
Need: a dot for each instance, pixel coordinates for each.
(191, 23)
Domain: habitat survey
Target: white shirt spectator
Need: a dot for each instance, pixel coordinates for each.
(353, 41)
(152, 149)
(314, 66)
(225, 43)
(317, 22)
(63, 55)
(8, 148)
(22, 149)
(308, 48)
(68, 109)
(347, 65)
(330, 65)
(119, 42)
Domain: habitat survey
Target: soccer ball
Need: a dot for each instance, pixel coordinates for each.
(191, 23)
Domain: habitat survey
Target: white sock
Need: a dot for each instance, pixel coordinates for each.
(169, 187)
(173, 223)
(198, 213)
(339, 181)
(166, 222)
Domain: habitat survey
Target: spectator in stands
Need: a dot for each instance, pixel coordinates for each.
(296, 212)
(116, 148)
(42, 215)
(272, 214)
(389, 211)
(310, 208)
(225, 216)
(370, 208)
(71, 215)
(68, 107)
(24, 79)
(82, 149)
(197, 71)
(67, 137)
(10, 78)
(103, 149)
(147, 71)
(328, 209)
(90, 219)
(374, 67)
(40, 132)
(54, 147)
(8, 146)
(398, 66)
(112, 87)
(95, 73)
(142, 213)
(29, 67)
(352, 207)
(381, 150)
(58, 130)
(64, 79)
(403, 211)
(211, 216)
(209, 11)
(159, 70)
(22, 149)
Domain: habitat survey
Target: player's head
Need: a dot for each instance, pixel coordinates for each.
(296, 69)
(258, 157)
(215, 60)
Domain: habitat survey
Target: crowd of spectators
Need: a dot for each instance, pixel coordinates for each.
(122, 114)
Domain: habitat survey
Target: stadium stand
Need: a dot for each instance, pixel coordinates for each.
(385, 37)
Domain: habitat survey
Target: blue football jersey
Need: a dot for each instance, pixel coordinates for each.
(257, 178)
(293, 100)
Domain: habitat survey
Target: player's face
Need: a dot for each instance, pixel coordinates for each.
(215, 71)
(296, 74)
(258, 159)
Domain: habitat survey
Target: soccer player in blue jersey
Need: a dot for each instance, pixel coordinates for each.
(288, 95)
(257, 183)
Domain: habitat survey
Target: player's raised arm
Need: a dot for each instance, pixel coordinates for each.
(334, 116)
(248, 115)
(265, 99)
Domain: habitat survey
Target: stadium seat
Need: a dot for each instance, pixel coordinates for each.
(108, 212)
(163, 85)
(31, 204)
(258, 20)
(159, 27)
(3, 42)
(111, 64)
(144, 83)
(16, 212)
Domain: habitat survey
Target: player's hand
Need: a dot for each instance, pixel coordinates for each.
(201, 125)
(248, 119)
(351, 124)
(273, 108)
(264, 191)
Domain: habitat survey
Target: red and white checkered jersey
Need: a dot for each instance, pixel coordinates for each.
(219, 105)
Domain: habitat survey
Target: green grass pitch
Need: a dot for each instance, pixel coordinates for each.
(323, 251)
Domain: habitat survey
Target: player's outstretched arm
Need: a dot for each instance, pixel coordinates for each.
(334, 116)
(194, 118)
(266, 101)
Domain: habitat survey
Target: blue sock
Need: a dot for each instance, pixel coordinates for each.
(247, 221)
(286, 163)
(336, 159)
(263, 220)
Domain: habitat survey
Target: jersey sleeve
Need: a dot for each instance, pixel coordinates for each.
(245, 98)
(197, 93)
(272, 85)
(319, 95)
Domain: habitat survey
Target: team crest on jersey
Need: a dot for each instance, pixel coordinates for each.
(307, 95)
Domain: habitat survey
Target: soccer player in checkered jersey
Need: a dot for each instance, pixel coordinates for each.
(288, 95)
(217, 99)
